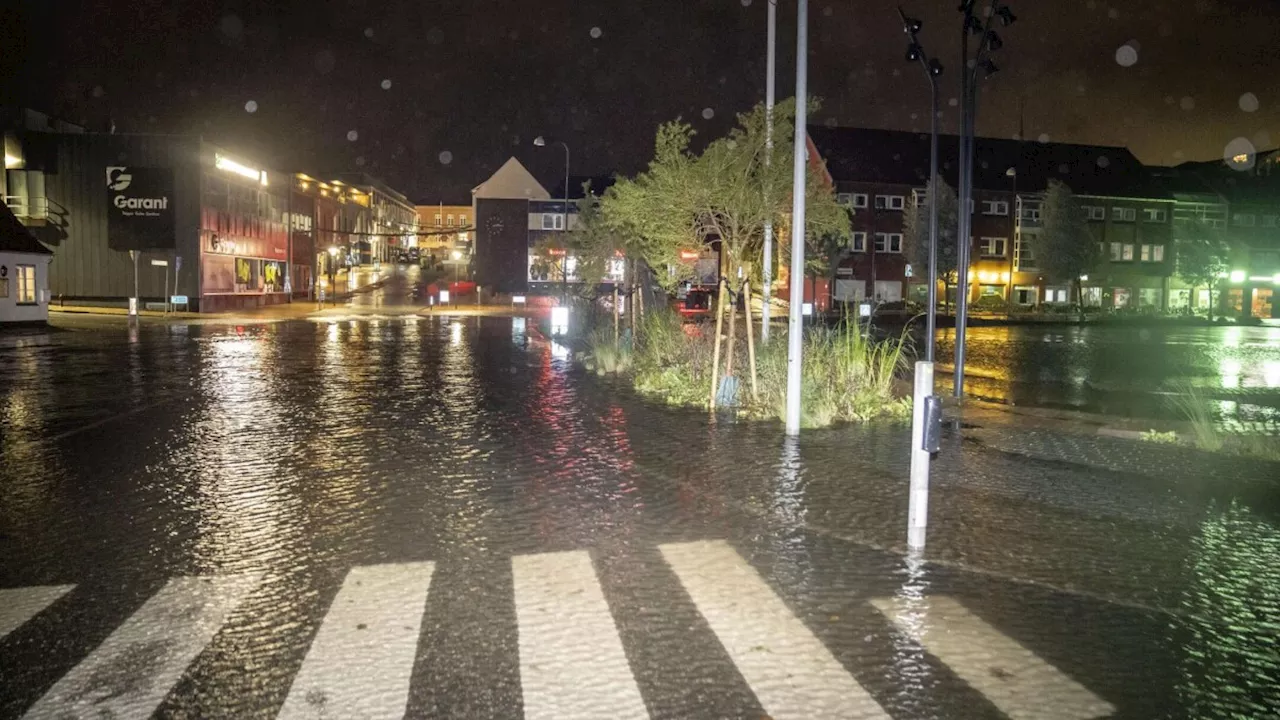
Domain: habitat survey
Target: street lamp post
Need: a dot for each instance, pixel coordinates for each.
(969, 97)
(333, 272)
(767, 263)
(925, 415)
(564, 262)
(795, 329)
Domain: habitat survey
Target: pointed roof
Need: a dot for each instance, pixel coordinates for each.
(511, 182)
(14, 237)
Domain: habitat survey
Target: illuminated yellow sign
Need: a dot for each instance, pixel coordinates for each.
(222, 162)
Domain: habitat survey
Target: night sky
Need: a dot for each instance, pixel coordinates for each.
(433, 96)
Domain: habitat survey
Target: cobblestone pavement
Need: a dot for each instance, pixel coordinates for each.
(432, 516)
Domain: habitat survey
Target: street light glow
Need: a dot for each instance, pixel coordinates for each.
(1237, 276)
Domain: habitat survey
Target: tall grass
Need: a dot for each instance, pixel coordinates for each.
(1188, 402)
(845, 377)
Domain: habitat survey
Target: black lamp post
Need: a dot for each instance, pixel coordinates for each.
(564, 261)
(970, 66)
(932, 69)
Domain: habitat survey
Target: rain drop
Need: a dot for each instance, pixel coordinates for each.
(1262, 139)
(1064, 169)
(1249, 102)
(596, 32)
(1166, 30)
(1240, 154)
(98, 91)
(352, 135)
(953, 102)
(368, 32)
(386, 84)
(1169, 100)
(708, 113)
(826, 11)
(251, 106)
(1104, 161)
(1044, 137)
(1091, 5)
(1113, 13)
(1177, 154)
(1127, 55)
(1187, 103)
(1080, 89)
(446, 157)
(746, 3)
(360, 161)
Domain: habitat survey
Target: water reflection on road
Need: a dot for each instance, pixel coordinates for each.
(1126, 371)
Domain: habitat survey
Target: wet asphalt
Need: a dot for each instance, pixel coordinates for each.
(733, 572)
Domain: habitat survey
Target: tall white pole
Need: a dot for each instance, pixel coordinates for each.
(770, 65)
(794, 327)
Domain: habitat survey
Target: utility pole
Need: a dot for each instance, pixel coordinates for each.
(795, 329)
(770, 65)
(988, 40)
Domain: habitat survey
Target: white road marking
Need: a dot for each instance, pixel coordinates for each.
(18, 605)
(1012, 677)
(132, 671)
(361, 661)
(572, 664)
(791, 672)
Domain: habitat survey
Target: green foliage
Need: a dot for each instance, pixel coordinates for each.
(1201, 253)
(1160, 438)
(846, 377)
(603, 357)
(1188, 402)
(916, 232)
(1064, 248)
(727, 193)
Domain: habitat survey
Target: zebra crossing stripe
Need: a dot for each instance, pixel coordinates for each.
(1014, 679)
(130, 673)
(361, 661)
(572, 664)
(791, 672)
(18, 605)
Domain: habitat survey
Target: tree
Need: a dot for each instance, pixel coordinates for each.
(1064, 248)
(724, 194)
(1201, 255)
(916, 236)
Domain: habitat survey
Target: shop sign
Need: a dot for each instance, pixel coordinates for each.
(222, 244)
(140, 208)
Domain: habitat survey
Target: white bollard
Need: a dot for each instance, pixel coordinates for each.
(918, 501)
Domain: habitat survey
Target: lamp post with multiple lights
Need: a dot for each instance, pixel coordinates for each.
(969, 67)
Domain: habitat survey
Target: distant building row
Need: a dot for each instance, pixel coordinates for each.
(230, 232)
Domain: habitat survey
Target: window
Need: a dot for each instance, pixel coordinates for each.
(1024, 295)
(1023, 257)
(889, 242)
(1154, 215)
(845, 199)
(1123, 214)
(437, 221)
(1269, 221)
(993, 246)
(1242, 219)
(920, 198)
(1055, 295)
(890, 202)
(1152, 253)
(859, 242)
(859, 200)
(1126, 251)
(1031, 214)
(1096, 212)
(449, 221)
(462, 220)
(552, 221)
(26, 280)
(995, 207)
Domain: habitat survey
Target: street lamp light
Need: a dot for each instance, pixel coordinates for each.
(540, 141)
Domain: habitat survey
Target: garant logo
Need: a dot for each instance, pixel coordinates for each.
(118, 179)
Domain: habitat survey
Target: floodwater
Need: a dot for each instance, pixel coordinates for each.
(440, 516)
(1126, 371)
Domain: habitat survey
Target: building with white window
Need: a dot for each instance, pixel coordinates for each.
(24, 274)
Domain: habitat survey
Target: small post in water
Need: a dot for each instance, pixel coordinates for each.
(921, 439)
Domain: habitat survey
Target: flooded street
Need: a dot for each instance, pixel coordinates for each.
(443, 517)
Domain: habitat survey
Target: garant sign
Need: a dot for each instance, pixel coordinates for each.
(140, 208)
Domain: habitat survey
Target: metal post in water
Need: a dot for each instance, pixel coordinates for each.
(918, 499)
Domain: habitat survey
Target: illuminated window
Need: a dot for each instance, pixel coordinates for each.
(438, 223)
(1243, 220)
(1123, 214)
(1154, 215)
(449, 221)
(1152, 253)
(552, 221)
(26, 282)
